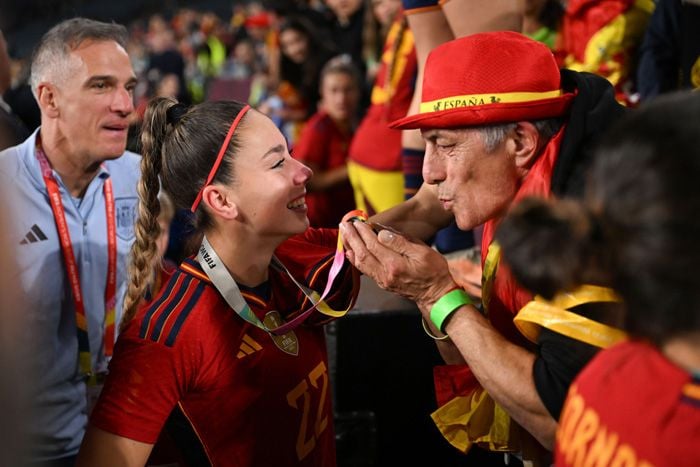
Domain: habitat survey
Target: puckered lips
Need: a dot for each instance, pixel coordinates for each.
(446, 203)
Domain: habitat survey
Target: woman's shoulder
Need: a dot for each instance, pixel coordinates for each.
(186, 297)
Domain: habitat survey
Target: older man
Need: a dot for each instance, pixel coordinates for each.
(500, 122)
(71, 191)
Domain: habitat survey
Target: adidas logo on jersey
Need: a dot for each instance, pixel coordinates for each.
(248, 346)
(33, 236)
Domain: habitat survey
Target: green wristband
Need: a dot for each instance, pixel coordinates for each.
(446, 305)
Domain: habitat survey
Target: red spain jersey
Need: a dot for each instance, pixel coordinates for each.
(375, 145)
(631, 406)
(325, 147)
(227, 392)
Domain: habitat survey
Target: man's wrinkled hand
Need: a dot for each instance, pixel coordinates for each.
(398, 264)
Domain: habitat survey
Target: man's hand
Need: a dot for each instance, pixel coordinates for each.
(406, 267)
(467, 274)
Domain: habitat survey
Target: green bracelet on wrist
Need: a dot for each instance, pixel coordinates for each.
(446, 305)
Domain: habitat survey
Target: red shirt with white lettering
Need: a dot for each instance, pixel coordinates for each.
(631, 406)
(226, 391)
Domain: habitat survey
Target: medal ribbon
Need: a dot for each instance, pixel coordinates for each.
(226, 285)
(72, 266)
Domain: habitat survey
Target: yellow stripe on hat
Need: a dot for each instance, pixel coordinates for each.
(454, 102)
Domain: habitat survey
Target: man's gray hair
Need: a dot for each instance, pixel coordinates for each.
(50, 59)
(493, 135)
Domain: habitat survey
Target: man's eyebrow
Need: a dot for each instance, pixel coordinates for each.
(95, 78)
(430, 134)
(274, 150)
(109, 78)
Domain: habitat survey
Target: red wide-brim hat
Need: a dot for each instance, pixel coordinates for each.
(488, 78)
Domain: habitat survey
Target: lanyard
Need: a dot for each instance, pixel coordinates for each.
(226, 285)
(72, 266)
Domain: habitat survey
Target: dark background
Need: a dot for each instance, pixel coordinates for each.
(24, 21)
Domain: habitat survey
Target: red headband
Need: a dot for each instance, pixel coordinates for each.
(219, 156)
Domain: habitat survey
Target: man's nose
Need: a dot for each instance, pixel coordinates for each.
(433, 167)
(123, 101)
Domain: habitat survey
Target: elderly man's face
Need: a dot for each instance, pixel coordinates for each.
(472, 183)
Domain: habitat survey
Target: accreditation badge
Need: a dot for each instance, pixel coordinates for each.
(287, 343)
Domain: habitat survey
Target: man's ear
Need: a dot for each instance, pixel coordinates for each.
(220, 202)
(47, 99)
(525, 144)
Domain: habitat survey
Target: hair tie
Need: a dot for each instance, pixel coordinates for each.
(175, 113)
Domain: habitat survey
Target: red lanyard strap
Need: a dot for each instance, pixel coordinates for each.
(72, 266)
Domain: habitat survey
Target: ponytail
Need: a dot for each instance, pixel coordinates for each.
(552, 246)
(141, 269)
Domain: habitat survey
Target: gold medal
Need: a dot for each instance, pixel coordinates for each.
(287, 343)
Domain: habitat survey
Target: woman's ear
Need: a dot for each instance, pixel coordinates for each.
(220, 202)
(526, 145)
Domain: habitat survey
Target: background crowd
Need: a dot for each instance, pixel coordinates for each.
(272, 53)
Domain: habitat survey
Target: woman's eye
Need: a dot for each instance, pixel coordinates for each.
(278, 164)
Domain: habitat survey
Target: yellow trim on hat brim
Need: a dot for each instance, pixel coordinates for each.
(472, 100)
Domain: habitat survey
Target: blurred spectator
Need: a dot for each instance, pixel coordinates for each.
(324, 142)
(347, 28)
(212, 52)
(542, 21)
(164, 56)
(303, 54)
(375, 152)
(602, 37)
(242, 62)
(346, 24)
(669, 57)
(12, 130)
(384, 12)
(5, 72)
(158, 86)
(21, 100)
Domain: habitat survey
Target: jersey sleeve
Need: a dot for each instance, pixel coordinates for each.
(310, 256)
(146, 380)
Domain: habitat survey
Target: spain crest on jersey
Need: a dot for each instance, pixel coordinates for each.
(125, 212)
